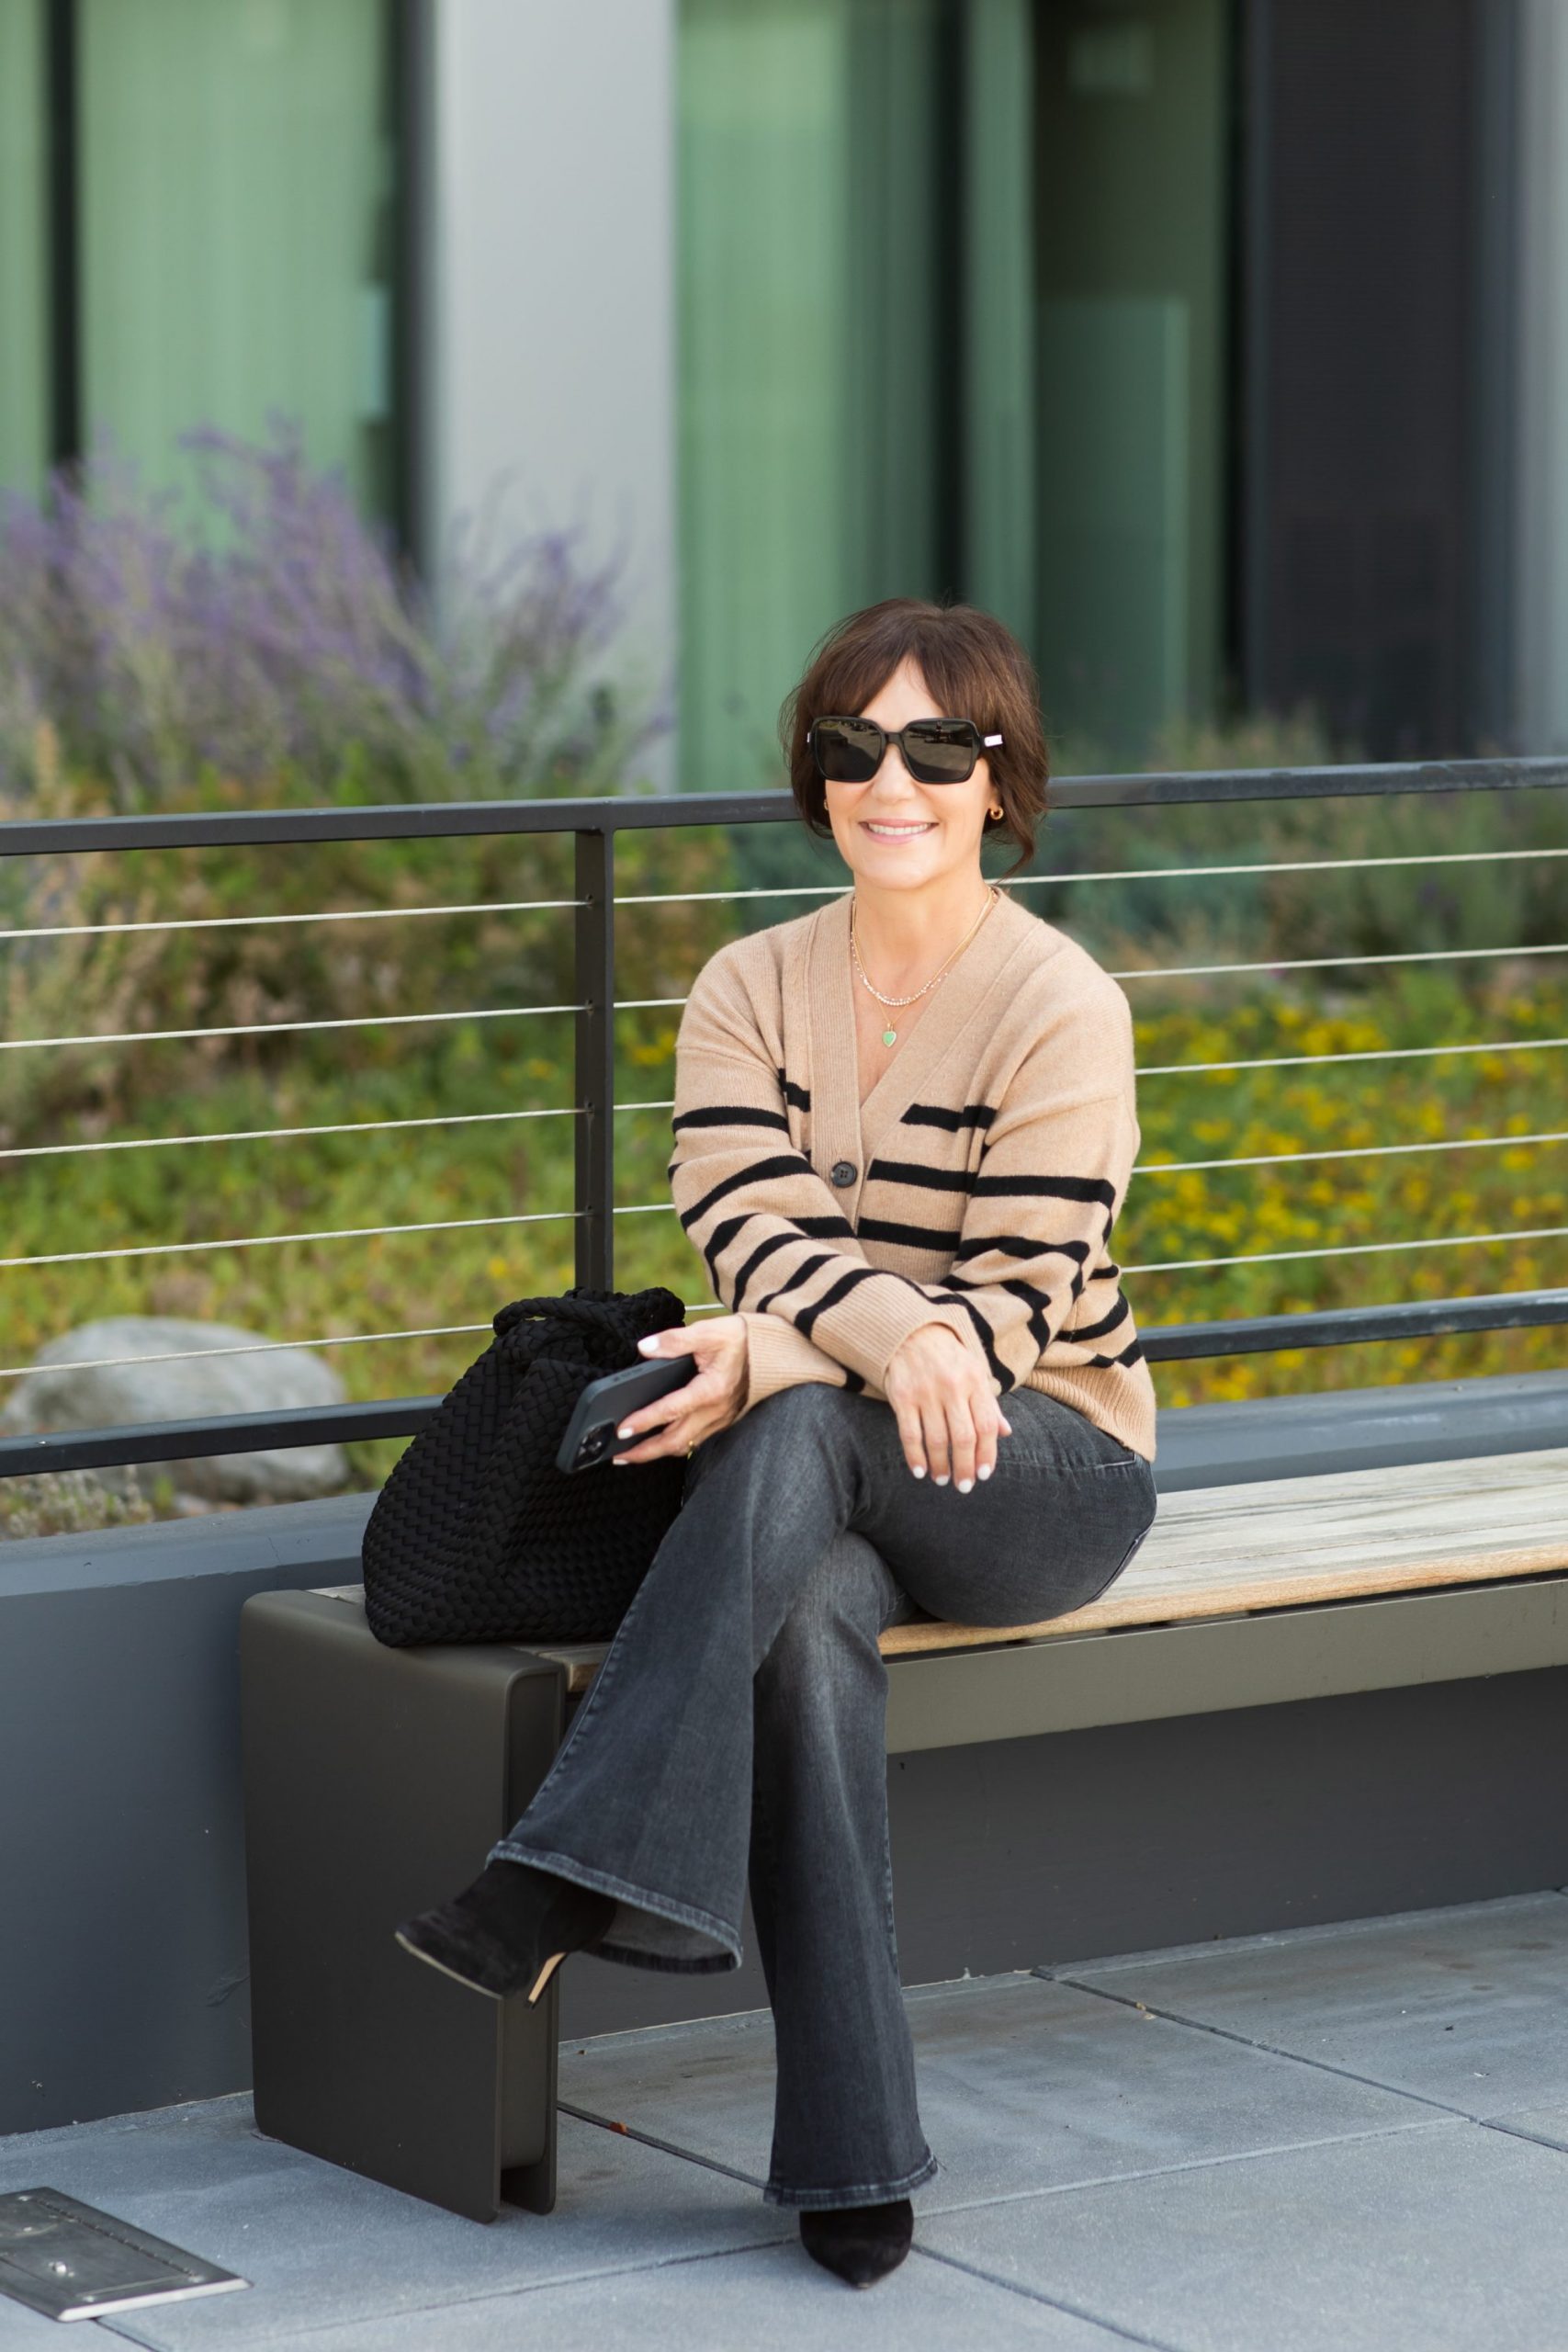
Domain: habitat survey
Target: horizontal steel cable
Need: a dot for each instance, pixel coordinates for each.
(468, 1118)
(276, 1240)
(274, 1134)
(1352, 1250)
(1360, 1053)
(286, 1028)
(1327, 962)
(665, 1003)
(714, 1306)
(573, 1110)
(1132, 873)
(1250, 1159)
(247, 1347)
(1343, 1152)
(318, 914)
(649, 1208)
(785, 891)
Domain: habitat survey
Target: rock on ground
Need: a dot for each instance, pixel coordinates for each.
(72, 1388)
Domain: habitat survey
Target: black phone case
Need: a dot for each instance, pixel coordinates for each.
(590, 1436)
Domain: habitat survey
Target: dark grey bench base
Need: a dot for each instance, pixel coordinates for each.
(376, 1782)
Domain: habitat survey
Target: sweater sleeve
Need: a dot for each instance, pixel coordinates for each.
(1037, 1226)
(776, 1242)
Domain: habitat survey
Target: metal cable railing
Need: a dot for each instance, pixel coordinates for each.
(664, 1004)
(800, 890)
(594, 826)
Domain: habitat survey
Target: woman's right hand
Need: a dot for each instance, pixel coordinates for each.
(714, 1397)
(945, 1397)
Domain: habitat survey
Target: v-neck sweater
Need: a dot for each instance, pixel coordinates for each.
(977, 1184)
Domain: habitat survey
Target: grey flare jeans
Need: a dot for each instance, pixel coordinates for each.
(736, 1729)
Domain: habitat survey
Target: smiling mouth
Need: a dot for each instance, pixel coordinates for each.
(897, 833)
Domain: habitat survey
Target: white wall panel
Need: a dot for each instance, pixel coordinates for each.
(552, 265)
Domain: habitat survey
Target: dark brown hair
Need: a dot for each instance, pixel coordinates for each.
(975, 669)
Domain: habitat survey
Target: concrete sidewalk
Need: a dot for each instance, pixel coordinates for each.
(1336, 2139)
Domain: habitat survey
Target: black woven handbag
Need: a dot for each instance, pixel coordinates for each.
(476, 1535)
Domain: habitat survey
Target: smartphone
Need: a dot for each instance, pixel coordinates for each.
(604, 1404)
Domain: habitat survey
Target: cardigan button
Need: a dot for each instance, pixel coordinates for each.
(844, 1172)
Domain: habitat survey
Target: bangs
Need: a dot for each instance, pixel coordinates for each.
(851, 673)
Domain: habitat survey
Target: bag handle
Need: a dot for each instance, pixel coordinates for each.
(618, 1312)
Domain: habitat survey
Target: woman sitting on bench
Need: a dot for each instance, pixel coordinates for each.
(904, 1128)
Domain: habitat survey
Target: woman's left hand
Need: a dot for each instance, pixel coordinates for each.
(711, 1399)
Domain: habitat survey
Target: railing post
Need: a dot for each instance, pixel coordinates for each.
(595, 1066)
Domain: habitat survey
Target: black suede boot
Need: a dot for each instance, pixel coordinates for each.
(861, 2243)
(510, 1930)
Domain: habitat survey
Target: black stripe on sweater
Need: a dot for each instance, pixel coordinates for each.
(1019, 1245)
(906, 1236)
(911, 1171)
(714, 1248)
(1086, 1331)
(729, 1114)
(1046, 1188)
(803, 1273)
(936, 1114)
(805, 1320)
(785, 1163)
(987, 1336)
(1134, 1355)
(1039, 1303)
(811, 1228)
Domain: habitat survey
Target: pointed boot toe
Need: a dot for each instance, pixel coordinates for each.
(510, 1930)
(859, 2244)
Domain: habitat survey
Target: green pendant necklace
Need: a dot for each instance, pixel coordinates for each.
(890, 1034)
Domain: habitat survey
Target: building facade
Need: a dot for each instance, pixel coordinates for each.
(1221, 346)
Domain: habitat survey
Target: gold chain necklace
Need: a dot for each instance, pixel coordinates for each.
(890, 1036)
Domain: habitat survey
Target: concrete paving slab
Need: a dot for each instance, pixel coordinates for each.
(322, 2246)
(776, 2300)
(1467, 2006)
(1547, 2124)
(1022, 2084)
(1433, 2241)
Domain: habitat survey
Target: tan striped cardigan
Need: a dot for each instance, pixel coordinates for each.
(977, 1186)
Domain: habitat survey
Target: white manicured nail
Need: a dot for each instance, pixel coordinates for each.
(626, 1433)
(942, 1479)
(965, 1485)
(985, 1469)
(920, 1474)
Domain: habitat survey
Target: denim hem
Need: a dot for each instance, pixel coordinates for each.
(668, 1963)
(680, 1914)
(827, 2201)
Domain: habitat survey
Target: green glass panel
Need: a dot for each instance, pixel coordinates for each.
(1001, 395)
(817, 316)
(24, 426)
(235, 190)
(1132, 366)
(763, 287)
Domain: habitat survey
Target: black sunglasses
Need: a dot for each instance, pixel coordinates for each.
(935, 751)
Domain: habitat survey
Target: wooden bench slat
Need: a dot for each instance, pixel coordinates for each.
(1281, 1542)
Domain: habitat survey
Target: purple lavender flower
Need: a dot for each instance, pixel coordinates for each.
(276, 629)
